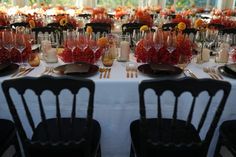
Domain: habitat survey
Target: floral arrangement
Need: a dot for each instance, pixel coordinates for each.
(14, 55)
(142, 16)
(99, 15)
(226, 12)
(226, 22)
(180, 18)
(120, 11)
(65, 20)
(181, 53)
(34, 21)
(85, 55)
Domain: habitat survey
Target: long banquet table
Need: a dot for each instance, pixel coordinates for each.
(116, 104)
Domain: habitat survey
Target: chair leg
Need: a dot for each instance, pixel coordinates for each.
(17, 147)
(131, 152)
(218, 147)
(99, 154)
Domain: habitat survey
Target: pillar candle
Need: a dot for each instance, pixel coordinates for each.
(124, 50)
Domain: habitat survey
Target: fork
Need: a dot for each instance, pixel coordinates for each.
(109, 72)
(21, 70)
(207, 70)
(45, 71)
(213, 70)
(24, 72)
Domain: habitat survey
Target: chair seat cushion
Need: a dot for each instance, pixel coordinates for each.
(166, 140)
(70, 143)
(7, 128)
(227, 131)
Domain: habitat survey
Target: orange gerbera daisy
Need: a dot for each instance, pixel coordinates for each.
(181, 26)
(63, 21)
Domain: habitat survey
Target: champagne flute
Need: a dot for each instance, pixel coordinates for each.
(158, 41)
(71, 44)
(94, 47)
(20, 45)
(82, 44)
(171, 45)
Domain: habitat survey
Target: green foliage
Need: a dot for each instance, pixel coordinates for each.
(115, 3)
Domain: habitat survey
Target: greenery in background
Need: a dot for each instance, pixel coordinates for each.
(7, 1)
(115, 3)
(182, 4)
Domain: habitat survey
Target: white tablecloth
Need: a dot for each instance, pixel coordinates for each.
(116, 104)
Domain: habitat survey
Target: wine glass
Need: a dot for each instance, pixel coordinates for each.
(94, 47)
(171, 43)
(20, 45)
(8, 41)
(71, 44)
(158, 41)
(82, 44)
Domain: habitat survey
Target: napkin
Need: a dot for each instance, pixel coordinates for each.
(76, 68)
(162, 68)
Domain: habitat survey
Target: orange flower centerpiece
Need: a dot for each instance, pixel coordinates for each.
(159, 51)
(33, 21)
(180, 18)
(99, 15)
(14, 55)
(142, 16)
(86, 49)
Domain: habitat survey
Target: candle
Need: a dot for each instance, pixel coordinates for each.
(124, 51)
(223, 55)
(205, 54)
(51, 55)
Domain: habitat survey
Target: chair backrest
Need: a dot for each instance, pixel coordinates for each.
(193, 88)
(56, 86)
(19, 24)
(231, 32)
(215, 26)
(99, 27)
(168, 26)
(57, 25)
(191, 32)
(85, 16)
(130, 27)
(57, 34)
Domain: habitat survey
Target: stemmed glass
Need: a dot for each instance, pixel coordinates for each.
(158, 41)
(20, 45)
(82, 44)
(171, 43)
(8, 41)
(71, 44)
(147, 45)
(94, 47)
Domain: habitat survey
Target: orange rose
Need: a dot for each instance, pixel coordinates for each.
(181, 26)
(102, 42)
(198, 23)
